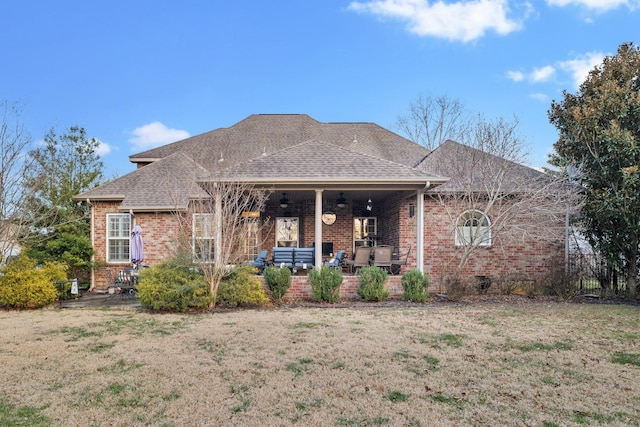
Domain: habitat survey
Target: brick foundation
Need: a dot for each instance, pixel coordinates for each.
(301, 289)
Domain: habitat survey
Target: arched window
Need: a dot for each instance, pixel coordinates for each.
(473, 228)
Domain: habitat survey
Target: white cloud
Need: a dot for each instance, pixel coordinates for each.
(538, 75)
(516, 76)
(579, 68)
(542, 74)
(596, 5)
(459, 21)
(103, 149)
(155, 134)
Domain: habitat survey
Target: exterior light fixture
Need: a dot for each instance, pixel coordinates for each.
(284, 202)
(369, 205)
(341, 202)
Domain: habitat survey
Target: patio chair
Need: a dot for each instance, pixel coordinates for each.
(396, 264)
(336, 262)
(382, 256)
(260, 262)
(361, 259)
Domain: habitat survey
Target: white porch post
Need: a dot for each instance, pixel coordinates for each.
(318, 230)
(420, 231)
(217, 221)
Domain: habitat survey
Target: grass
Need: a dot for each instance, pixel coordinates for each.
(12, 415)
(545, 364)
(626, 358)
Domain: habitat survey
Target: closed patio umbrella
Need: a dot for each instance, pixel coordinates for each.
(137, 246)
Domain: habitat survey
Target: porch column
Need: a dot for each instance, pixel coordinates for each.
(318, 230)
(217, 221)
(420, 231)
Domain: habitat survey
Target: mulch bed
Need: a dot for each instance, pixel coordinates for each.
(90, 299)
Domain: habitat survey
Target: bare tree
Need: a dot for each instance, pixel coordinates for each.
(222, 227)
(14, 171)
(491, 193)
(432, 120)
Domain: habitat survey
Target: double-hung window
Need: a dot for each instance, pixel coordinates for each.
(118, 237)
(203, 237)
(473, 228)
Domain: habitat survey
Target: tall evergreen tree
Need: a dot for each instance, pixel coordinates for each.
(65, 165)
(599, 134)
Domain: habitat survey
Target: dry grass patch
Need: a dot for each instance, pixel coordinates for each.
(490, 364)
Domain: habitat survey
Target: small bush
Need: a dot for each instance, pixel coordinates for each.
(325, 284)
(173, 286)
(560, 284)
(371, 283)
(455, 287)
(242, 287)
(24, 285)
(278, 281)
(415, 285)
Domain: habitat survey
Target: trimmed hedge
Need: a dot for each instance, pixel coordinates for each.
(278, 280)
(371, 283)
(325, 284)
(415, 285)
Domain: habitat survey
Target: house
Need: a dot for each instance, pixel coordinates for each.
(335, 186)
(9, 246)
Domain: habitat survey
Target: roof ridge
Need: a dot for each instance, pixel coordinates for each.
(312, 140)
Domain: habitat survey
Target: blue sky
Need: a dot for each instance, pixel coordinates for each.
(137, 74)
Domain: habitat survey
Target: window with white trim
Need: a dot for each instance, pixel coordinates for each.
(118, 237)
(252, 239)
(473, 228)
(203, 237)
(287, 232)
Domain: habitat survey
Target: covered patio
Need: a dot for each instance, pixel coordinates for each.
(327, 196)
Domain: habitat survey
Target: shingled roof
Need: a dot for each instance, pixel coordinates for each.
(313, 162)
(291, 150)
(470, 169)
(270, 133)
(167, 184)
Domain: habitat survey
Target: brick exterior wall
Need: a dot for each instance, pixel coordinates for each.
(160, 232)
(525, 256)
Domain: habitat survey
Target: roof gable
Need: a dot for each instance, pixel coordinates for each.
(167, 184)
(319, 161)
(471, 169)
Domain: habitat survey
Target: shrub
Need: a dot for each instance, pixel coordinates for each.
(371, 283)
(325, 284)
(556, 282)
(241, 287)
(415, 285)
(24, 285)
(455, 287)
(278, 281)
(173, 286)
